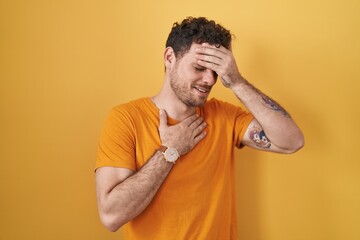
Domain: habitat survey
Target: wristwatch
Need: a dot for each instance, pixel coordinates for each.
(170, 154)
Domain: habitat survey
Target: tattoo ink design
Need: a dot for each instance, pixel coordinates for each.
(258, 136)
(225, 82)
(273, 105)
(269, 103)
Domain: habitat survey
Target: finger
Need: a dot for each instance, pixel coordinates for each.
(211, 50)
(196, 123)
(187, 121)
(220, 48)
(209, 65)
(163, 118)
(210, 53)
(209, 59)
(199, 137)
(199, 128)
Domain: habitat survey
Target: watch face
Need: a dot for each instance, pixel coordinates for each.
(171, 155)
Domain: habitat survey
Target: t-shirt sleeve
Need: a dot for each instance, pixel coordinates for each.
(242, 121)
(239, 121)
(117, 142)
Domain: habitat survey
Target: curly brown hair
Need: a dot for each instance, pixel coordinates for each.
(197, 30)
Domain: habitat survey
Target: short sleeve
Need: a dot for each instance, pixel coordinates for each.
(238, 119)
(241, 123)
(117, 142)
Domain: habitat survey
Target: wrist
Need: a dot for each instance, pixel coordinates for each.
(170, 154)
(239, 83)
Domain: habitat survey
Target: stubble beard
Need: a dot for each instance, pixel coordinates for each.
(183, 93)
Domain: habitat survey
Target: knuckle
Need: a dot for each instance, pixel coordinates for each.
(192, 118)
(199, 121)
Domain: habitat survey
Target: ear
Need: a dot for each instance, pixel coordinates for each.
(169, 57)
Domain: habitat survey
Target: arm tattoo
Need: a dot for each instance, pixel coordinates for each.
(270, 103)
(225, 82)
(258, 136)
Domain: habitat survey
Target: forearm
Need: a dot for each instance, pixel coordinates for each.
(279, 127)
(130, 197)
(274, 120)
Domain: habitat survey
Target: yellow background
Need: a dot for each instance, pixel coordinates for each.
(64, 64)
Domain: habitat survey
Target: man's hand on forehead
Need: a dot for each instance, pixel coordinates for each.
(220, 60)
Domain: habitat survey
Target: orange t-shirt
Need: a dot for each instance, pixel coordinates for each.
(197, 199)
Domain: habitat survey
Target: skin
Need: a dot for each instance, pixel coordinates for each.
(284, 136)
(123, 194)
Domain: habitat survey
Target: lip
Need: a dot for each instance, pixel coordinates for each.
(202, 91)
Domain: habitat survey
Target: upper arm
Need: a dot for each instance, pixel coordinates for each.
(255, 137)
(107, 178)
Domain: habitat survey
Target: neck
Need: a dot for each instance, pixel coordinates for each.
(174, 108)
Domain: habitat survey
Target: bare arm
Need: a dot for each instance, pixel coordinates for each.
(282, 134)
(275, 128)
(123, 194)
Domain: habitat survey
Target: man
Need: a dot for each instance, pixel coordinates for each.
(137, 180)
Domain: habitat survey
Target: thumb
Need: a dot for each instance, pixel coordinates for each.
(163, 118)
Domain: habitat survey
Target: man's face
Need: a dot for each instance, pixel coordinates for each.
(191, 82)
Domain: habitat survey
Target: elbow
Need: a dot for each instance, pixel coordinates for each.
(300, 142)
(297, 144)
(111, 222)
(111, 226)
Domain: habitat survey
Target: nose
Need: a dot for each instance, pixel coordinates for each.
(209, 77)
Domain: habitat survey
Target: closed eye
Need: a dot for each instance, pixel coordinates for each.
(200, 69)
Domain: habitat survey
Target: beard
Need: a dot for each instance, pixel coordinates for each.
(182, 91)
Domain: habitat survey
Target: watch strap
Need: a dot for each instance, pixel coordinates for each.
(162, 148)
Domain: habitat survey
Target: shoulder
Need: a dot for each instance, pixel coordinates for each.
(139, 112)
(132, 105)
(126, 112)
(137, 107)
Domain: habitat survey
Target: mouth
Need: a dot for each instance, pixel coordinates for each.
(203, 91)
